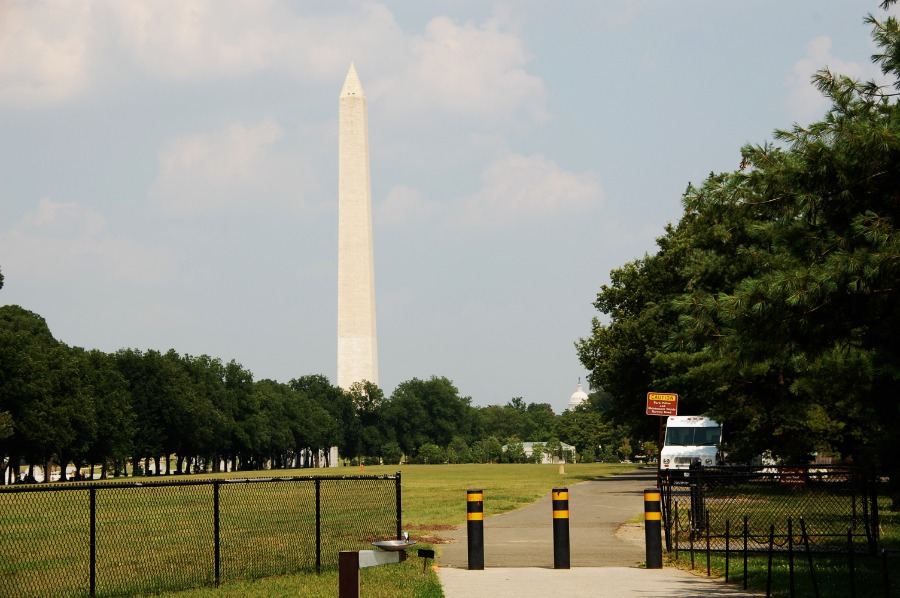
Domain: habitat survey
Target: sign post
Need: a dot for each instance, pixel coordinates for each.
(662, 404)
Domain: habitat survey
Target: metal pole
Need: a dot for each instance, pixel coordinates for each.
(727, 546)
(93, 500)
(561, 528)
(706, 521)
(809, 558)
(319, 528)
(791, 556)
(771, 549)
(746, 534)
(475, 528)
(652, 524)
(399, 508)
(216, 531)
(666, 495)
(852, 562)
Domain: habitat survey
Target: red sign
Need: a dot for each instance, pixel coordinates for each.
(662, 403)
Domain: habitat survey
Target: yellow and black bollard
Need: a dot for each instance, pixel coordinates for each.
(560, 528)
(475, 528)
(653, 528)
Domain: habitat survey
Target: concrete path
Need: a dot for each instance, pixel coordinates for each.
(524, 537)
(518, 550)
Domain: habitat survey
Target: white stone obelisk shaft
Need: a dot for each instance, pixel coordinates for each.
(357, 340)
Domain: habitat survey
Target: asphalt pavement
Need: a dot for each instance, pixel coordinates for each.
(606, 556)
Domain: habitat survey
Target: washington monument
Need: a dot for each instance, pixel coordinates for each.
(357, 341)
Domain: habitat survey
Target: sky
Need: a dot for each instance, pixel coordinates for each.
(168, 169)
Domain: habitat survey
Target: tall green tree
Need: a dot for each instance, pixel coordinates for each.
(28, 353)
(428, 411)
(115, 418)
(774, 302)
(339, 406)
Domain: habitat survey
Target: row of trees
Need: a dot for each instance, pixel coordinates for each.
(774, 303)
(132, 408)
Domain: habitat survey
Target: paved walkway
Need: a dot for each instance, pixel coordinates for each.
(518, 550)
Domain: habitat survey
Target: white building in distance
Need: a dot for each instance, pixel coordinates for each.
(578, 397)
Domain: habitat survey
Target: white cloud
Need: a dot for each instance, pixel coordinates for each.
(52, 51)
(43, 51)
(527, 188)
(55, 51)
(405, 205)
(181, 39)
(515, 190)
(65, 241)
(805, 102)
(470, 69)
(236, 168)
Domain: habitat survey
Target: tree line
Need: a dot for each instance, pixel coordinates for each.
(138, 412)
(774, 302)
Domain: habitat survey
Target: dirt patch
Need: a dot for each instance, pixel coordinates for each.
(428, 536)
(633, 533)
(440, 527)
(431, 539)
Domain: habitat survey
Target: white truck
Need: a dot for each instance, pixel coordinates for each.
(691, 438)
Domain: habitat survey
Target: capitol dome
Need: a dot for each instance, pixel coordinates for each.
(578, 397)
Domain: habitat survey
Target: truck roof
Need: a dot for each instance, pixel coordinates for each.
(691, 421)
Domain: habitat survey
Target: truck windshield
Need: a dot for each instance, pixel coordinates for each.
(693, 436)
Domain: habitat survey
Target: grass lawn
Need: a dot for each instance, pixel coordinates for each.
(831, 573)
(434, 496)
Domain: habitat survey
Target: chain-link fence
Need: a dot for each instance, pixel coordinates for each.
(837, 507)
(143, 537)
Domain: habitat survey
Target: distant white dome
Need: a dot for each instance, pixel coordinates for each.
(578, 397)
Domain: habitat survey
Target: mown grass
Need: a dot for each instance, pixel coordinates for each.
(160, 532)
(832, 573)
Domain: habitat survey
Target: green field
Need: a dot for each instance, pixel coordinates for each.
(434, 497)
(153, 535)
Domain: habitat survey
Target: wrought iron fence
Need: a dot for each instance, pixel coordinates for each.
(103, 539)
(838, 506)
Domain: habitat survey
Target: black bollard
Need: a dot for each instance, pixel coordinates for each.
(653, 528)
(475, 528)
(560, 528)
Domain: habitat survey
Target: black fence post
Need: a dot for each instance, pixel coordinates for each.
(697, 507)
(887, 577)
(399, 507)
(93, 500)
(318, 526)
(769, 568)
(870, 533)
(809, 558)
(790, 541)
(691, 536)
(216, 529)
(874, 498)
(666, 504)
(852, 562)
(706, 522)
(746, 536)
(727, 546)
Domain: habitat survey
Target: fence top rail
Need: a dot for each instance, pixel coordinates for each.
(98, 485)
